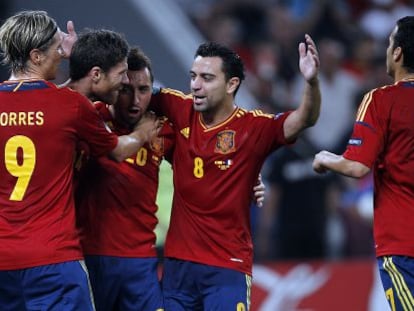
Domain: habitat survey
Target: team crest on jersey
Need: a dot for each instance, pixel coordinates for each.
(157, 145)
(225, 142)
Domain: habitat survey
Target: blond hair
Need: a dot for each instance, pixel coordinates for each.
(23, 32)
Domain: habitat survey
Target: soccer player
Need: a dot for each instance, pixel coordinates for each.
(219, 151)
(41, 266)
(382, 140)
(98, 65)
(98, 69)
(117, 204)
(123, 263)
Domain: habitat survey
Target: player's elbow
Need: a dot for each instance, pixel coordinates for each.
(312, 121)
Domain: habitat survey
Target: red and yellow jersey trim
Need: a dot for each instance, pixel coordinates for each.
(207, 129)
(176, 93)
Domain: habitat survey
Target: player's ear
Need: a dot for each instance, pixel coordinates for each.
(232, 85)
(35, 56)
(96, 73)
(397, 53)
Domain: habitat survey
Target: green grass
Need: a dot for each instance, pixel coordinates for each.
(164, 200)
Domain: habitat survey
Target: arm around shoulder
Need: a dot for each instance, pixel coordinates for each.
(147, 128)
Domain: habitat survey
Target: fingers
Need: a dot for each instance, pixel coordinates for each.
(308, 46)
(70, 27)
(309, 41)
(302, 50)
(259, 187)
(69, 39)
(317, 166)
(311, 47)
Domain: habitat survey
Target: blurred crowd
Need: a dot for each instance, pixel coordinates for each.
(308, 216)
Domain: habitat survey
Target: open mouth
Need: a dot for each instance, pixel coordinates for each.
(198, 99)
(134, 111)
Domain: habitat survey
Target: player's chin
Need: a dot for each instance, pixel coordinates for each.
(112, 99)
(134, 118)
(199, 107)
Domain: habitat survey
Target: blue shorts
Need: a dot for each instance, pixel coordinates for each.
(397, 276)
(191, 286)
(121, 283)
(56, 287)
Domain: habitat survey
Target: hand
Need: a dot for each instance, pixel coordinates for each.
(259, 191)
(317, 162)
(69, 39)
(148, 126)
(308, 59)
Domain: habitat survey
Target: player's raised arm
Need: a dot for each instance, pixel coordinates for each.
(307, 113)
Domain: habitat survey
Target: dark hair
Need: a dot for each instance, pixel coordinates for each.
(102, 48)
(404, 38)
(232, 63)
(137, 60)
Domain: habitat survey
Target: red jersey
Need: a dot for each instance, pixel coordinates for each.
(215, 170)
(383, 139)
(40, 126)
(116, 210)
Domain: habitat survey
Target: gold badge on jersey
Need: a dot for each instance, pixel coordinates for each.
(185, 132)
(225, 142)
(157, 145)
(223, 164)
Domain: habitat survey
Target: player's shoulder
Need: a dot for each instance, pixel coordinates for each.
(66, 90)
(171, 92)
(72, 95)
(388, 89)
(255, 114)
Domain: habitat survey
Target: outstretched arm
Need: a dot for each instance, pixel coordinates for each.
(307, 113)
(327, 161)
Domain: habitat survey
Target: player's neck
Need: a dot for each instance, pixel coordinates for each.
(401, 73)
(81, 86)
(404, 76)
(214, 117)
(27, 75)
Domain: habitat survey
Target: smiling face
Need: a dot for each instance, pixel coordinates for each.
(208, 83)
(109, 83)
(134, 97)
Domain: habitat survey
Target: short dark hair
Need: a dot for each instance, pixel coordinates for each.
(232, 63)
(404, 38)
(137, 60)
(102, 48)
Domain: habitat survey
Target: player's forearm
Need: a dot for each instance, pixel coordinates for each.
(311, 103)
(307, 113)
(127, 146)
(341, 165)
